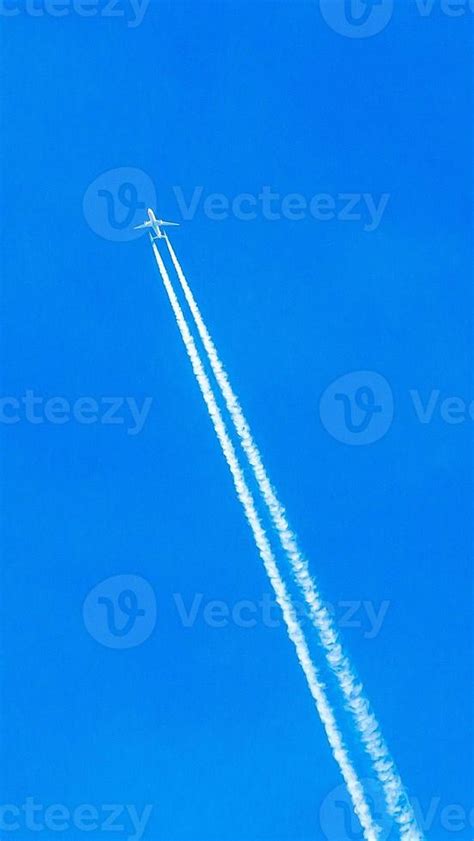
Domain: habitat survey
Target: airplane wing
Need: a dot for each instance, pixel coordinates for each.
(170, 224)
(145, 225)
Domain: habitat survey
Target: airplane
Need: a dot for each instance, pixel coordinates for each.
(155, 225)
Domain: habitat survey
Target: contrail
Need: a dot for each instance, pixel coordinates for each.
(398, 805)
(295, 633)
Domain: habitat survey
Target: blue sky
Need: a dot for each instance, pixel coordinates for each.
(213, 726)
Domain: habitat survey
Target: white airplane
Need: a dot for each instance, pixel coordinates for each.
(155, 225)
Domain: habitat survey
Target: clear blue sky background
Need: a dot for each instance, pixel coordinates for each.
(215, 727)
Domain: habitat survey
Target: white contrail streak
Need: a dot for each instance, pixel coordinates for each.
(397, 801)
(317, 689)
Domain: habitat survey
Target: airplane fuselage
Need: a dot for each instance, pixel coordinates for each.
(154, 225)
